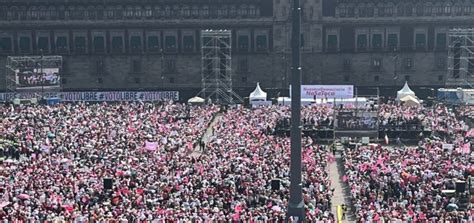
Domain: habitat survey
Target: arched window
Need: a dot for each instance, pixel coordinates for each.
(185, 11)
(233, 11)
(467, 8)
(380, 10)
(33, 13)
(148, 12)
(342, 11)
(100, 13)
(23, 13)
(419, 10)
(90, 13)
(118, 14)
(222, 11)
(53, 13)
(400, 10)
(447, 9)
(62, 12)
(362, 10)
(428, 9)
(350, 10)
(438, 9)
(138, 12)
(175, 11)
(458, 10)
(43, 12)
(109, 11)
(195, 11)
(129, 12)
(252, 11)
(409, 10)
(243, 11)
(167, 11)
(13, 13)
(389, 9)
(157, 12)
(204, 11)
(370, 10)
(80, 13)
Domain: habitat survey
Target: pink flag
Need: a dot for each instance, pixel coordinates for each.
(466, 148)
(151, 146)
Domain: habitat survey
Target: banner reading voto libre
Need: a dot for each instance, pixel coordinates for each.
(107, 96)
(326, 91)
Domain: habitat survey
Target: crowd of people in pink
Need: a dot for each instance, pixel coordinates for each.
(54, 160)
(412, 184)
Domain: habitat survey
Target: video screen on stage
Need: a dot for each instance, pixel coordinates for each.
(38, 78)
(352, 120)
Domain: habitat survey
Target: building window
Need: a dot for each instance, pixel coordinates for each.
(129, 12)
(441, 41)
(381, 11)
(188, 44)
(332, 43)
(262, 43)
(347, 64)
(440, 77)
(153, 44)
(377, 64)
(148, 12)
(25, 44)
(5, 44)
(409, 10)
(43, 44)
(170, 44)
(136, 44)
(407, 77)
(61, 44)
(171, 80)
(420, 41)
(428, 9)
(361, 42)
(392, 42)
(376, 78)
(408, 63)
(376, 41)
(99, 44)
(346, 78)
(243, 43)
(138, 12)
(100, 81)
(419, 10)
(117, 44)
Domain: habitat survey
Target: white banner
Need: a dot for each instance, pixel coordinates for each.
(326, 91)
(108, 96)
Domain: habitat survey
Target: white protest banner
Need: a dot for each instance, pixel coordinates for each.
(326, 91)
(108, 96)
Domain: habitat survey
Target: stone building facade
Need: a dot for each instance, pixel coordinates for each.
(154, 44)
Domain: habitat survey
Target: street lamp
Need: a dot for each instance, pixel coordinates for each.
(296, 210)
(42, 76)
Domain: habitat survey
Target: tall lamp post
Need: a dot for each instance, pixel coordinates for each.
(42, 76)
(296, 210)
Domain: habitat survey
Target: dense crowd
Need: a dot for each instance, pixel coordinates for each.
(56, 157)
(243, 153)
(412, 184)
(63, 153)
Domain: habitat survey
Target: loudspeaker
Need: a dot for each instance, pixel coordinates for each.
(275, 184)
(460, 186)
(107, 183)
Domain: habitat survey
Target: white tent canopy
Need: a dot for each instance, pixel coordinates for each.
(258, 94)
(410, 100)
(196, 100)
(405, 91)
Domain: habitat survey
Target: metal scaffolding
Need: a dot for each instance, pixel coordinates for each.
(16, 63)
(460, 58)
(216, 67)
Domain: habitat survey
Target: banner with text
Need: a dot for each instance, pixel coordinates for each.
(326, 91)
(108, 96)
